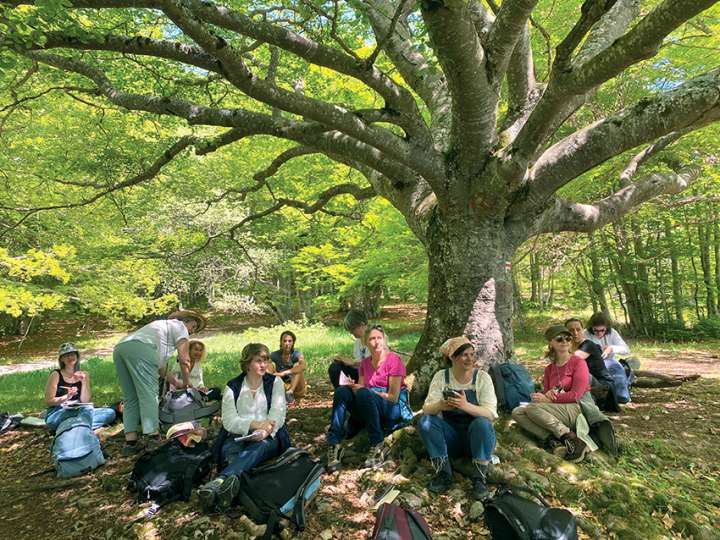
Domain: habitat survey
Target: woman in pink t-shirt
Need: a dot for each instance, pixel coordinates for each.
(378, 401)
(553, 415)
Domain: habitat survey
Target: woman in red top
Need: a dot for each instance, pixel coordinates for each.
(554, 415)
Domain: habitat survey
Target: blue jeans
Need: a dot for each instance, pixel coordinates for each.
(101, 416)
(442, 439)
(366, 409)
(243, 456)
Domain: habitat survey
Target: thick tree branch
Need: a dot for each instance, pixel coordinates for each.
(569, 216)
(690, 106)
(474, 95)
(506, 32)
(522, 86)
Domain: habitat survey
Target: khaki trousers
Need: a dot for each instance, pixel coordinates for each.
(545, 419)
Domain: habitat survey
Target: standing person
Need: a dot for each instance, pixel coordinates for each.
(458, 417)
(600, 331)
(70, 384)
(253, 404)
(601, 383)
(378, 402)
(289, 365)
(139, 358)
(556, 417)
(197, 352)
(356, 323)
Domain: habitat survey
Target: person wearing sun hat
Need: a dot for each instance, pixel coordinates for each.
(458, 417)
(69, 384)
(140, 358)
(560, 416)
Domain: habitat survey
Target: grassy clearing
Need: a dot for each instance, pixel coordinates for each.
(23, 392)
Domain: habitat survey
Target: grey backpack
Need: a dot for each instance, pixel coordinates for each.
(186, 405)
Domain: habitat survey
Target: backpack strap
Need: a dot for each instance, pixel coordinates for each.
(299, 510)
(447, 376)
(474, 379)
(272, 522)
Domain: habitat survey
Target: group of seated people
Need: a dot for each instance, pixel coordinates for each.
(370, 393)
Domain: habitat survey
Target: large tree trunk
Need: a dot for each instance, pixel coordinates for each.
(469, 292)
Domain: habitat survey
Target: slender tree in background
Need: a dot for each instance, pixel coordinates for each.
(460, 135)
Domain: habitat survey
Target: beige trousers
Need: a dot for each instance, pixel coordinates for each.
(545, 419)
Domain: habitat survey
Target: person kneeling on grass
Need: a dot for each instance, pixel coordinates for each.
(378, 402)
(459, 412)
(67, 385)
(561, 416)
(289, 364)
(253, 409)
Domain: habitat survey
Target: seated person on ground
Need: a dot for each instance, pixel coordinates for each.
(458, 417)
(378, 402)
(600, 331)
(601, 383)
(556, 416)
(356, 323)
(197, 353)
(289, 365)
(68, 384)
(246, 410)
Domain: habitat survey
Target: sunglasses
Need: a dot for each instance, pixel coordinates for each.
(599, 330)
(560, 339)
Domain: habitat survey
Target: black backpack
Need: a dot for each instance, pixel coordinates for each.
(511, 517)
(169, 473)
(273, 490)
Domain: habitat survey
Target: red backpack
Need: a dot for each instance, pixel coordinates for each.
(392, 522)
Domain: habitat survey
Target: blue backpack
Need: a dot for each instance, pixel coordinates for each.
(513, 385)
(76, 449)
(621, 381)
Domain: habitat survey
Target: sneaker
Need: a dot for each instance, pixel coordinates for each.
(441, 482)
(334, 457)
(227, 492)
(208, 494)
(554, 446)
(376, 457)
(575, 448)
(130, 449)
(289, 397)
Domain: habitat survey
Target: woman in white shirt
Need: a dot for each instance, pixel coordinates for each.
(197, 351)
(139, 358)
(458, 417)
(253, 408)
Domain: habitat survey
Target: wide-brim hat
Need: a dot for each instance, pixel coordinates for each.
(453, 344)
(196, 315)
(555, 330)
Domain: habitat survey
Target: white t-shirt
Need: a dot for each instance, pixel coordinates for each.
(237, 415)
(164, 335)
(360, 351)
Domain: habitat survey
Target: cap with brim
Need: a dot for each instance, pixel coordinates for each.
(198, 317)
(453, 344)
(555, 331)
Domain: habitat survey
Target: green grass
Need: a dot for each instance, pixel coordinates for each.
(23, 392)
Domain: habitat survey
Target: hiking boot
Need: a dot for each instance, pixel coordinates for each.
(227, 492)
(479, 481)
(207, 494)
(575, 448)
(441, 482)
(130, 449)
(289, 397)
(334, 457)
(554, 445)
(376, 457)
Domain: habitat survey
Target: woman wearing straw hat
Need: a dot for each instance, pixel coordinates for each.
(138, 359)
(459, 412)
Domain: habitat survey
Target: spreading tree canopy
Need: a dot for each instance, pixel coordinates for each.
(468, 116)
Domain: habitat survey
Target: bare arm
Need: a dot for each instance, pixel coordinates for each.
(183, 350)
(85, 392)
(393, 393)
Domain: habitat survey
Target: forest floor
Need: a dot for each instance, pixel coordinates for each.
(665, 484)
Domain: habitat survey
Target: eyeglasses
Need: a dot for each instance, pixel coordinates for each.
(599, 330)
(560, 339)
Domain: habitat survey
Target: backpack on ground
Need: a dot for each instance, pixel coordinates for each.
(75, 448)
(9, 421)
(281, 488)
(179, 406)
(513, 385)
(169, 473)
(393, 522)
(511, 517)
